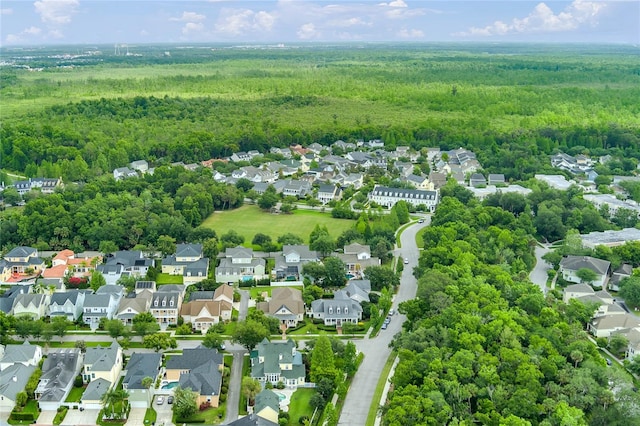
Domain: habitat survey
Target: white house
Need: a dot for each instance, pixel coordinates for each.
(570, 265)
(388, 197)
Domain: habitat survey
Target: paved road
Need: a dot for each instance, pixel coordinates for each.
(233, 395)
(244, 304)
(539, 273)
(376, 350)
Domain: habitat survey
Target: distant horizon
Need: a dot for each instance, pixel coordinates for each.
(260, 22)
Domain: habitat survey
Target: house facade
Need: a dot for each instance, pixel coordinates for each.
(23, 262)
(199, 369)
(68, 304)
(388, 197)
(165, 307)
(103, 363)
(286, 305)
(337, 311)
(25, 354)
(238, 264)
(202, 314)
(32, 305)
(141, 365)
(60, 368)
(570, 265)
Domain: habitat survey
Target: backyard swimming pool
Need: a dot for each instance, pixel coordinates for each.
(281, 396)
(170, 385)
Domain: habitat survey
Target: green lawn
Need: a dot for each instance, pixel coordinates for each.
(249, 220)
(75, 394)
(31, 407)
(150, 416)
(60, 415)
(168, 279)
(300, 405)
(210, 416)
(246, 368)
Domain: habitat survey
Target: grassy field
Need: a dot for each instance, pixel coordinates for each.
(249, 220)
(300, 405)
(168, 279)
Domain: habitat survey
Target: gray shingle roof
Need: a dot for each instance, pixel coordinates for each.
(95, 389)
(578, 262)
(204, 379)
(14, 378)
(58, 370)
(19, 353)
(191, 358)
(267, 398)
(102, 358)
(139, 367)
(21, 251)
(61, 298)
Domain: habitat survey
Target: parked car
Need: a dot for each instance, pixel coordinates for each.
(421, 221)
(160, 400)
(384, 326)
(406, 260)
(391, 312)
(170, 400)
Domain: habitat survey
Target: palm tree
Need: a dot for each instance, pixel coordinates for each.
(250, 388)
(114, 398)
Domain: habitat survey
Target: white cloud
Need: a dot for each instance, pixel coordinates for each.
(349, 22)
(6, 11)
(192, 27)
(307, 32)
(542, 19)
(24, 35)
(32, 31)
(395, 3)
(241, 21)
(55, 34)
(56, 12)
(189, 17)
(412, 33)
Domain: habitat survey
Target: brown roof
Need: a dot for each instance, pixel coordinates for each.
(290, 297)
(215, 308)
(223, 290)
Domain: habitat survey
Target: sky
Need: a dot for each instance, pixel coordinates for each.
(58, 22)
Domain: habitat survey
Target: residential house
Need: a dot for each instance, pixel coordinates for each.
(129, 263)
(141, 286)
(558, 182)
(76, 266)
(23, 262)
(610, 238)
(8, 298)
(199, 369)
(252, 420)
(44, 185)
(123, 173)
(297, 149)
(140, 165)
(13, 380)
(24, 353)
(103, 304)
(357, 258)
(203, 314)
(477, 180)
(201, 295)
(288, 265)
(133, 305)
(355, 180)
(614, 204)
(337, 311)
(60, 368)
(139, 367)
(576, 291)
(32, 305)
(388, 197)
(358, 290)
(633, 337)
(316, 148)
(103, 363)
(277, 361)
(223, 293)
(496, 179)
(54, 285)
(93, 394)
(240, 156)
(570, 265)
(438, 180)
(344, 146)
(404, 169)
(238, 264)
(267, 405)
(166, 304)
(296, 188)
(188, 262)
(328, 193)
(285, 152)
(68, 304)
(286, 305)
(419, 182)
(624, 271)
(362, 159)
(605, 325)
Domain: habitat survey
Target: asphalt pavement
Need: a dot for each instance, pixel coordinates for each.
(376, 350)
(539, 275)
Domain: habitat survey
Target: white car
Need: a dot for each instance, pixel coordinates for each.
(406, 260)
(160, 400)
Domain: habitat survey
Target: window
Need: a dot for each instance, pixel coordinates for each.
(155, 303)
(164, 303)
(171, 303)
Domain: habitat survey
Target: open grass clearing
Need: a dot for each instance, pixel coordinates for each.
(300, 405)
(249, 220)
(168, 279)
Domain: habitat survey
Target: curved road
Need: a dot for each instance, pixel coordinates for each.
(376, 350)
(538, 274)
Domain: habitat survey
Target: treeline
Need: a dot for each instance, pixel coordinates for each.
(171, 202)
(483, 345)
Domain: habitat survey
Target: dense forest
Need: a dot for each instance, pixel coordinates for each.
(511, 105)
(484, 345)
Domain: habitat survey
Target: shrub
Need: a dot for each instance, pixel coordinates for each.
(23, 416)
(222, 398)
(303, 420)
(205, 405)
(78, 381)
(280, 385)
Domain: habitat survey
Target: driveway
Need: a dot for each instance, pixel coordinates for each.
(539, 275)
(80, 418)
(46, 417)
(164, 413)
(376, 350)
(233, 393)
(4, 417)
(136, 417)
